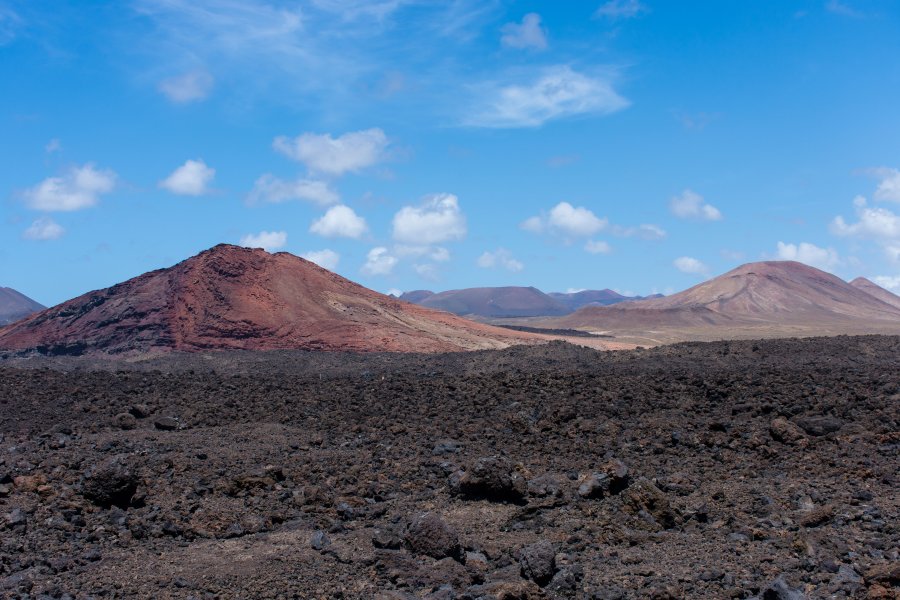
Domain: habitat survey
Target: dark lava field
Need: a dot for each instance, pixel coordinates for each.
(721, 470)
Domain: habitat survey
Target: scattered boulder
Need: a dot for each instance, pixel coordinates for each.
(430, 535)
(548, 485)
(140, 411)
(319, 541)
(780, 590)
(125, 421)
(538, 562)
(819, 425)
(110, 483)
(816, 516)
(612, 478)
(489, 478)
(644, 499)
(785, 432)
(16, 521)
(445, 447)
(166, 423)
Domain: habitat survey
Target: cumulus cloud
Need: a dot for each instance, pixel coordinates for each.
(500, 258)
(690, 205)
(190, 179)
(566, 220)
(269, 188)
(873, 223)
(889, 184)
(327, 259)
(349, 153)
(188, 87)
(597, 247)
(437, 219)
(44, 228)
(620, 9)
(557, 92)
(267, 240)
(80, 188)
(527, 34)
(691, 266)
(340, 221)
(810, 254)
(379, 262)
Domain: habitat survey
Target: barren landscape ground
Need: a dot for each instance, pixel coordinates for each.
(730, 469)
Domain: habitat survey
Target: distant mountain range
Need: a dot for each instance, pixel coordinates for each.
(512, 302)
(15, 305)
(237, 298)
(764, 299)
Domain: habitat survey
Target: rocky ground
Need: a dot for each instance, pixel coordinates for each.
(722, 470)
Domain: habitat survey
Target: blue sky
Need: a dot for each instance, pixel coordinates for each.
(407, 144)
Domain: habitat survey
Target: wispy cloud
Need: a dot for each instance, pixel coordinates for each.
(888, 184)
(42, 229)
(842, 8)
(10, 22)
(690, 205)
(527, 34)
(324, 154)
(500, 258)
(271, 189)
(189, 87)
(620, 9)
(557, 92)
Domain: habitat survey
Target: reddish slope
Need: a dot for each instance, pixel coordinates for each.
(14, 306)
(877, 291)
(771, 293)
(231, 297)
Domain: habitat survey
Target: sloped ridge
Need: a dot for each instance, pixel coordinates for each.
(875, 290)
(575, 300)
(237, 298)
(499, 302)
(772, 292)
(15, 305)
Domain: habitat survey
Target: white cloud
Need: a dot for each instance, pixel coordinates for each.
(426, 271)
(501, 258)
(327, 259)
(52, 146)
(189, 87)
(379, 262)
(80, 188)
(689, 265)
(190, 179)
(438, 219)
(888, 282)
(889, 186)
(269, 188)
(267, 240)
(597, 247)
(566, 220)
(349, 153)
(527, 34)
(340, 221)
(690, 205)
(620, 9)
(558, 92)
(877, 223)
(44, 228)
(810, 254)
(435, 253)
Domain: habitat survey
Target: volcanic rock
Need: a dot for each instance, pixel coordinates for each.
(490, 478)
(430, 535)
(110, 483)
(238, 298)
(538, 562)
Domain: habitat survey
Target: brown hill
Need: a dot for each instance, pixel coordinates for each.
(237, 298)
(496, 302)
(416, 296)
(575, 300)
(765, 299)
(15, 305)
(873, 289)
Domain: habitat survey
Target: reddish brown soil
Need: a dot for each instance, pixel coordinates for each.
(236, 298)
